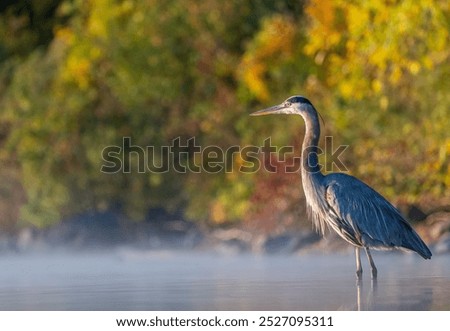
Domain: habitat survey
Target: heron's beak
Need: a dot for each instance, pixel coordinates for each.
(278, 109)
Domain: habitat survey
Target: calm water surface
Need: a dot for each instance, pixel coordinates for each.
(127, 280)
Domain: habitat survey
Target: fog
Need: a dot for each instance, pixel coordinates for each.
(126, 279)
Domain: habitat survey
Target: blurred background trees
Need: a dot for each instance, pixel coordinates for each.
(77, 76)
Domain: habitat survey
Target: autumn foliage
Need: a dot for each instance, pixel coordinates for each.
(77, 76)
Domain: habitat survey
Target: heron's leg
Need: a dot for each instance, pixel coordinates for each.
(358, 263)
(372, 264)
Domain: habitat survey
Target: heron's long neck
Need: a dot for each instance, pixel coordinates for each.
(311, 175)
(310, 161)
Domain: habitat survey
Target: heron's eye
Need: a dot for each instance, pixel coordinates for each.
(287, 104)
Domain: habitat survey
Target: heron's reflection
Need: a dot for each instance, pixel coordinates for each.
(403, 294)
(370, 297)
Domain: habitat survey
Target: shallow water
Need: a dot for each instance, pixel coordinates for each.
(130, 280)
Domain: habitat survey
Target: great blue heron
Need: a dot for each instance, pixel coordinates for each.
(358, 214)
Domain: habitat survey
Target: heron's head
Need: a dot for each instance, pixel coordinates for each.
(293, 105)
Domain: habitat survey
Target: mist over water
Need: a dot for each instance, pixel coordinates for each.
(126, 279)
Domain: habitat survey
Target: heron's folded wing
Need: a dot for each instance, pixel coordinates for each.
(373, 219)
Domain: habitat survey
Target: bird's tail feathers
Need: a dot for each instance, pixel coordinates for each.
(416, 244)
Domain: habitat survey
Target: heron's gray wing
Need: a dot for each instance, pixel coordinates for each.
(374, 221)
